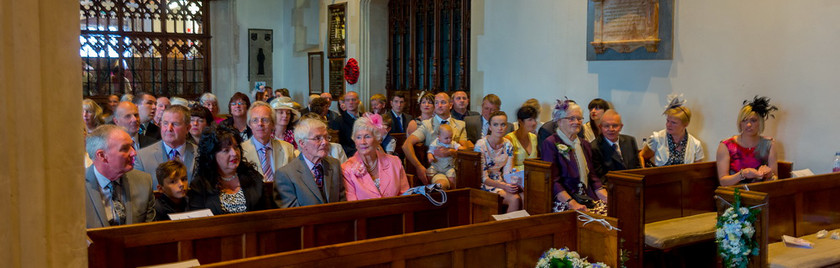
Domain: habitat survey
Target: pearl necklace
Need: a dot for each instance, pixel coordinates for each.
(229, 178)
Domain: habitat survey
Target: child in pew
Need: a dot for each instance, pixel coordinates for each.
(389, 144)
(172, 181)
(441, 169)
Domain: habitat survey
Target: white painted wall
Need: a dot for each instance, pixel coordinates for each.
(296, 32)
(725, 52)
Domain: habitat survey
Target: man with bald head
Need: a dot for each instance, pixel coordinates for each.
(116, 193)
(128, 117)
(427, 132)
(344, 123)
(174, 127)
(613, 150)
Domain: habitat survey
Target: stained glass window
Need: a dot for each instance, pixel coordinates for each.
(156, 46)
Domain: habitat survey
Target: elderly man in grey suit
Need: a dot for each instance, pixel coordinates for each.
(314, 177)
(268, 153)
(116, 193)
(477, 125)
(174, 127)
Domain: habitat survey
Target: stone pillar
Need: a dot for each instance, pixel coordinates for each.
(41, 171)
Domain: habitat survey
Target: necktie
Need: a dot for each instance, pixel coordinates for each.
(174, 155)
(142, 129)
(615, 147)
(318, 171)
(117, 207)
(399, 123)
(265, 162)
(484, 128)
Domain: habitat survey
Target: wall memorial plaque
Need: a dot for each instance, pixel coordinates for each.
(337, 30)
(336, 77)
(630, 29)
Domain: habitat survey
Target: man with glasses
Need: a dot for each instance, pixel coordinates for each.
(269, 154)
(612, 150)
(314, 177)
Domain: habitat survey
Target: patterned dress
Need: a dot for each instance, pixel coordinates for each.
(495, 163)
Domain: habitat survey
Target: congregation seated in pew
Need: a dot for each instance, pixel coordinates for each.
(225, 182)
(523, 140)
(172, 183)
(672, 145)
(371, 173)
(497, 161)
(576, 186)
(748, 157)
(313, 177)
(613, 151)
(266, 151)
(427, 131)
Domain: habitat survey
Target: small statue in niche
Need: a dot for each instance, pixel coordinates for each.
(261, 62)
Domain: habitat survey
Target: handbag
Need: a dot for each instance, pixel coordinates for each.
(426, 191)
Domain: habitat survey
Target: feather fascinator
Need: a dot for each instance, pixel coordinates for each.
(560, 108)
(761, 106)
(674, 101)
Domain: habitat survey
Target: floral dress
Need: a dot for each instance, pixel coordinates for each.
(495, 163)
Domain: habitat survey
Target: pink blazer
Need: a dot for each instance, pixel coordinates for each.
(359, 185)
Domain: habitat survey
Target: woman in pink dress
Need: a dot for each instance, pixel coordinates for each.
(748, 157)
(371, 173)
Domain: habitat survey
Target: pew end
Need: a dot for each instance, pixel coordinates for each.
(538, 195)
(748, 199)
(468, 169)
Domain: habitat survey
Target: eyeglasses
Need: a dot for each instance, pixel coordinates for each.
(260, 120)
(573, 118)
(612, 126)
(237, 103)
(320, 138)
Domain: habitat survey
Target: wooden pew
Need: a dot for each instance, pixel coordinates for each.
(648, 195)
(235, 236)
(537, 197)
(796, 207)
(468, 169)
(400, 139)
(510, 243)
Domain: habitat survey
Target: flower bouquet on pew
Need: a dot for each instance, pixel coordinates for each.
(734, 234)
(565, 258)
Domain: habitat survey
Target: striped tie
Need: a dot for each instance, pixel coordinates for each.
(174, 155)
(265, 162)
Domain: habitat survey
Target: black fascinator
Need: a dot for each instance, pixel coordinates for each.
(761, 106)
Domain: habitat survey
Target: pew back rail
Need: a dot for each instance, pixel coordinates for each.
(510, 243)
(235, 236)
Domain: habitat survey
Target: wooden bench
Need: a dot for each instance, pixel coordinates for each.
(537, 197)
(400, 140)
(796, 207)
(510, 243)
(468, 169)
(652, 195)
(235, 236)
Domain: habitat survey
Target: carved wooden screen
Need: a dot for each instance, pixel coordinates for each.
(156, 46)
(428, 47)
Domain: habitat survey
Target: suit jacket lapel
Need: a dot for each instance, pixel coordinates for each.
(163, 156)
(309, 180)
(328, 181)
(95, 196)
(616, 157)
(384, 171)
(189, 159)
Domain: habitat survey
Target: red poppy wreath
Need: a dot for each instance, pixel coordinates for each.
(351, 71)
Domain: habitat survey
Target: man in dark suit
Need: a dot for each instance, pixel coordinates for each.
(147, 106)
(174, 146)
(461, 105)
(344, 123)
(313, 177)
(116, 193)
(612, 150)
(400, 120)
(127, 117)
(477, 125)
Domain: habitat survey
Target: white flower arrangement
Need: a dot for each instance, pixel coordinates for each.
(734, 234)
(556, 258)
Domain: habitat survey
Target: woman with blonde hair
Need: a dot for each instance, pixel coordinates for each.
(748, 157)
(673, 145)
(91, 115)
